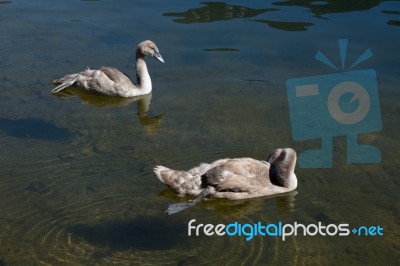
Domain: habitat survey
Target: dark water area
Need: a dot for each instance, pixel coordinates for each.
(33, 128)
(77, 185)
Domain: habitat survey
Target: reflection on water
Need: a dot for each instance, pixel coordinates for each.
(222, 11)
(96, 100)
(220, 49)
(216, 11)
(286, 26)
(320, 8)
(285, 203)
(76, 179)
(393, 22)
(150, 123)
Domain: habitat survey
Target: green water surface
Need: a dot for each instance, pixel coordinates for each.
(76, 179)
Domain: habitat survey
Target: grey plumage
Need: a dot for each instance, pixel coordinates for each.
(111, 81)
(233, 179)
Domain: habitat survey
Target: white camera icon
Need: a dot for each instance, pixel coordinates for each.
(325, 106)
(350, 87)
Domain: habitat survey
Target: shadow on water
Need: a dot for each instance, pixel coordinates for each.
(150, 123)
(215, 11)
(144, 233)
(34, 128)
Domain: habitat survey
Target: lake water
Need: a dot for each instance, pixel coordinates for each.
(76, 180)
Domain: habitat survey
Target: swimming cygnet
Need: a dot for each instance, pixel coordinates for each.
(111, 81)
(233, 179)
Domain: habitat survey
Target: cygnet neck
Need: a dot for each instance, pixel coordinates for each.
(292, 181)
(142, 74)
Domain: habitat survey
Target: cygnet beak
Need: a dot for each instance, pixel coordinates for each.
(158, 56)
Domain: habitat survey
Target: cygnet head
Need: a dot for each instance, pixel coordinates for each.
(149, 48)
(282, 164)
